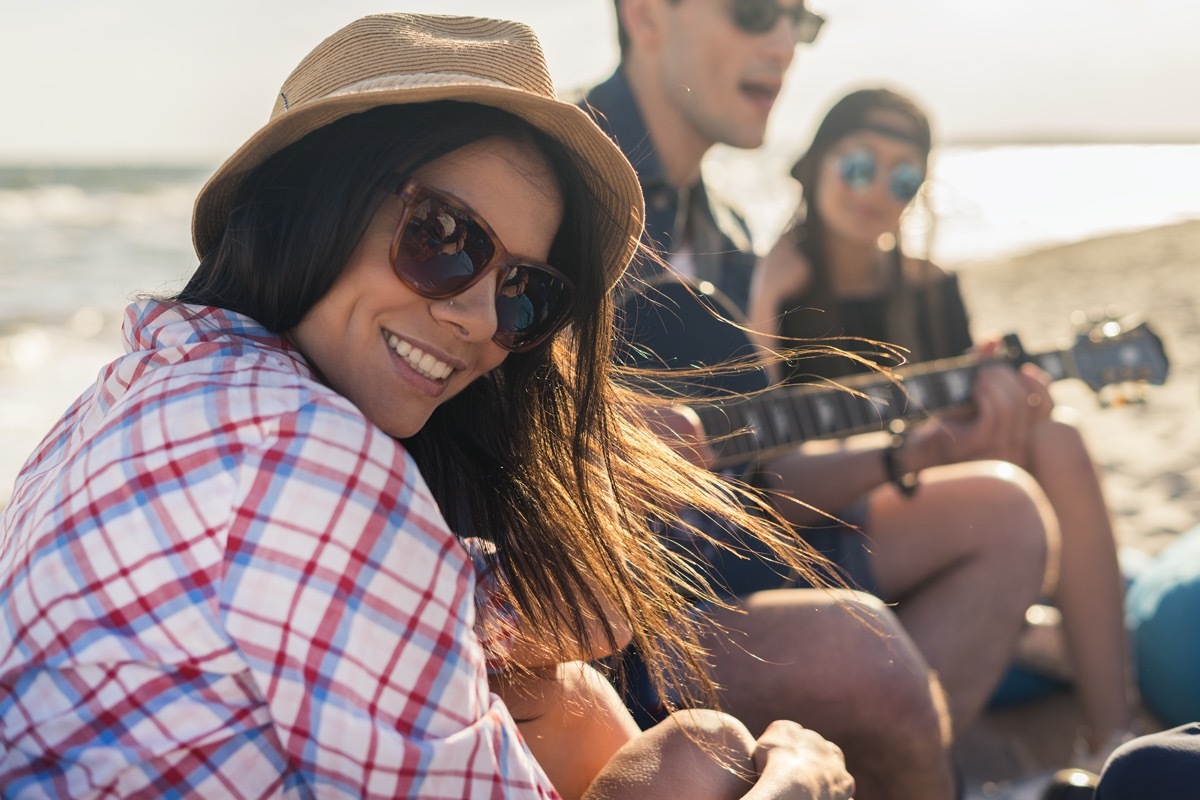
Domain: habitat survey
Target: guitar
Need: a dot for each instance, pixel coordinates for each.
(677, 326)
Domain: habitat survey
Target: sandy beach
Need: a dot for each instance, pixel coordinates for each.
(1148, 450)
(1147, 443)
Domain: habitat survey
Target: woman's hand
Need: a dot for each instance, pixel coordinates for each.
(794, 762)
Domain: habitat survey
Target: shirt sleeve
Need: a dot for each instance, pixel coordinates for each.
(353, 606)
(496, 618)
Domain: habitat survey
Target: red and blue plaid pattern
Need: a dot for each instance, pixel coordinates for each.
(218, 579)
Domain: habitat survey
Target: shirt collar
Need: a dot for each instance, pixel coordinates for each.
(615, 109)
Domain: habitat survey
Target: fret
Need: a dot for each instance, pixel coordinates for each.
(790, 415)
(740, 429)
(756, 422)
(882, 402)
(791, 402)
(808, 414)
(852, 411)
(920, 394)
(1053, 364)
(781, 429)
(939, 390)
(958, 386)
(827, 414)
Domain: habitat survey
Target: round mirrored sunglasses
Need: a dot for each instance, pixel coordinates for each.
(858, 169)
(441, 248)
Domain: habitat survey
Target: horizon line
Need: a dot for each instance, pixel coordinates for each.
(185, 161)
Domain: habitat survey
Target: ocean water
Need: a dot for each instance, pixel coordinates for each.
(78, 243)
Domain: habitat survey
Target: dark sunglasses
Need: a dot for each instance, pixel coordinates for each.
(442, 248)
(761, 16)
(857, 169)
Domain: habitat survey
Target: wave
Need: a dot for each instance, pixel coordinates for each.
(75, 237)
(93, 197)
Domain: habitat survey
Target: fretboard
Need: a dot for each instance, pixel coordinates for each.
(747, 428)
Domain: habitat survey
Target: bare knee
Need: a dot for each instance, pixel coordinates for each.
(1061, 443)
(697, 754)
(899, 692)
(1015, 520)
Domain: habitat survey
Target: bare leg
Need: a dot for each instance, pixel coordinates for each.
(590, 748)
(1089, 590)
(701, 754)
(841, 664)
(963, 559)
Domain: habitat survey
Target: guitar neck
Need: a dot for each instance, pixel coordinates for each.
(758, 425)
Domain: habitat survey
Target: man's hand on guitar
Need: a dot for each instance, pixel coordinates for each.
(1009, 405)
(680, 427)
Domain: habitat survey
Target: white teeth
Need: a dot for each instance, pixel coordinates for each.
(418, 359)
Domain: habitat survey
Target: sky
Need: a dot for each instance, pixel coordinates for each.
(187, 81)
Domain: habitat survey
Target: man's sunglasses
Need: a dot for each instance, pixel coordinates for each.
(858, 168)
(761, 16)
(442, 248)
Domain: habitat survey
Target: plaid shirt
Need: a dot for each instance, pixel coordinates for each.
(218, 579)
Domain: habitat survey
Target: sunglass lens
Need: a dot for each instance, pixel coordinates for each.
(756, 16)
(857, 170)
(905, 182)
(442, 249)
(531, 303)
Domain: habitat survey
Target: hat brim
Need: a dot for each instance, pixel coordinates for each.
(613, 180)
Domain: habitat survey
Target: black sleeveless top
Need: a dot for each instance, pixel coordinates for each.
(929, 320)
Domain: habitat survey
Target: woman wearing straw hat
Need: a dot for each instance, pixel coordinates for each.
(229, 569)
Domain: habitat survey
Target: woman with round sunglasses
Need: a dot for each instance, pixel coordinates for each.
(841, 270)
(246, 562)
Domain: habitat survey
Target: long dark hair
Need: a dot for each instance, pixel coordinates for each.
(547, 455)
(807, 230)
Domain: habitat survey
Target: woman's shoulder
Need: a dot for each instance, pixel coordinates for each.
(786, 259)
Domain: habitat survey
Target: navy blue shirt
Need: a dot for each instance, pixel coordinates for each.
(662, 325)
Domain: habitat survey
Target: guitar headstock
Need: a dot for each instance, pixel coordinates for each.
(1111, 351)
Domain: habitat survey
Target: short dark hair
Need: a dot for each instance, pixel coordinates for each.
(622, 34)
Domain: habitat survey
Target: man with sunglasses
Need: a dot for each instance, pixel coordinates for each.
(695, 73)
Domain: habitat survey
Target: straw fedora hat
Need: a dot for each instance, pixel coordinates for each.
(395, 59)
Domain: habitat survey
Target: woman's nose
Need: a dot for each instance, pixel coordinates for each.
(473, 310)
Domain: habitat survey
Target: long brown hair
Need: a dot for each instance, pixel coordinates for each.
(547, 456)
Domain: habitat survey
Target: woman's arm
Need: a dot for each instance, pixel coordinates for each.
(781, 274)
(827, 475)
(507, 642)
(351, 604)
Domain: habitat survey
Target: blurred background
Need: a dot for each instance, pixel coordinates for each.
(1057, 122)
